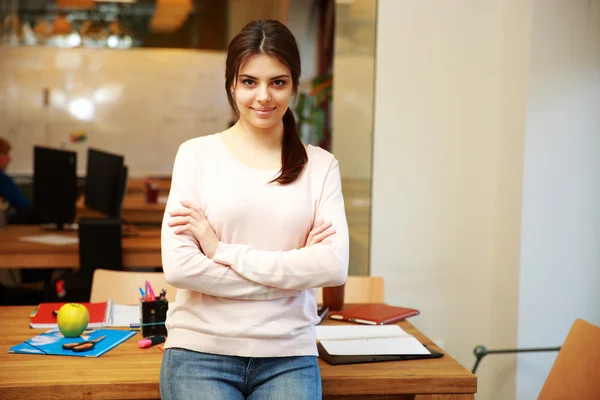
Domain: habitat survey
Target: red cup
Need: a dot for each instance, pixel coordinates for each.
(152, 194)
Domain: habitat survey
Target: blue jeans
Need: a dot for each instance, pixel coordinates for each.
(186, 374)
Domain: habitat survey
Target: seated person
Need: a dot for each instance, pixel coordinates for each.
(20, 210)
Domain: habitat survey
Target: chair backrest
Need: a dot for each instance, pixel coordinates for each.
(123, 286)
(360, 289)
(99, 246)
(574, 374)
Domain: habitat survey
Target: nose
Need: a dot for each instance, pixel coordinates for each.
(263, 95)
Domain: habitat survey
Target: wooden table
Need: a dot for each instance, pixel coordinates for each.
(127, 372)
(138, 251)
(137, 185)
(135, 209)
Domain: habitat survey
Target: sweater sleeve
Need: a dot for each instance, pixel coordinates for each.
(11, 193)
(184, 265)
(324, 264)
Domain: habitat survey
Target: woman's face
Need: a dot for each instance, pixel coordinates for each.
(263, 91)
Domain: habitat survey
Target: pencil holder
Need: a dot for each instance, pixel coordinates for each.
(154, 315)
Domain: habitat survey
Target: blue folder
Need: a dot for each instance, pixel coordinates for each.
(51, 343)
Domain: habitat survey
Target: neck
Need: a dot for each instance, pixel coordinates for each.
(271, 138)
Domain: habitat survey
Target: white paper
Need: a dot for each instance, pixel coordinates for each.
(368, 340)
(325, 332)
(51, 239)
(123, 315)
(402, 345)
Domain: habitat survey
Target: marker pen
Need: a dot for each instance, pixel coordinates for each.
(150, 341)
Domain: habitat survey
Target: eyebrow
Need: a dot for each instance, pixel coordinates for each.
(272, 79)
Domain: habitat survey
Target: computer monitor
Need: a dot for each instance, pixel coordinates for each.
(54, 185)
(105, 182)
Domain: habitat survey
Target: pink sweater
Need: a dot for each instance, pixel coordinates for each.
(257, 296)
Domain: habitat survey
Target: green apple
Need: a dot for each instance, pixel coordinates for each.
(72, 319)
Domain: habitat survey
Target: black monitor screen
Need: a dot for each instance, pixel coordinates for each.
(54, 184)
(104, 182)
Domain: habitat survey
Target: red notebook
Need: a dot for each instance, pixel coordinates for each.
(45, 318)
(374, 314)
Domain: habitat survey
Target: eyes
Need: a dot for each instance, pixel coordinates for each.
(277, 82)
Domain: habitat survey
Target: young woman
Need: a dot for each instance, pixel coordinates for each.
(254, 222)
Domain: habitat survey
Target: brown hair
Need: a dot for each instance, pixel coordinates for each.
(272, 38)
(4, 146)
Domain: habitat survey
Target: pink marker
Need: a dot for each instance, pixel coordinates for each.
(150, 341)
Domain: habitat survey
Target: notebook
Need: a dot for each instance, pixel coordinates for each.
(46, 318)
(374, 314)
(351, 344)
(102, 314)
(50, 343)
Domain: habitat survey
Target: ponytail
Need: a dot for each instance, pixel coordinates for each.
(293, 153)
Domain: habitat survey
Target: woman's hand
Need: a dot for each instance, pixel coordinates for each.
(320, 234)
(192, 219)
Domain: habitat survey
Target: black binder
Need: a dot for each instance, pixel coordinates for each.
(357, 359)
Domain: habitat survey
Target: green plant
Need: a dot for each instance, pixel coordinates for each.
(311, 110)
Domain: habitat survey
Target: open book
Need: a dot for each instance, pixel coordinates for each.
(345, 344)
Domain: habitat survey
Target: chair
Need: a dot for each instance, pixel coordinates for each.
(122, 286)
(99, 247)
(574, 374)
(360, 289)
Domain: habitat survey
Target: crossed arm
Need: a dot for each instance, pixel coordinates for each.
(322, 262)
(186, 265)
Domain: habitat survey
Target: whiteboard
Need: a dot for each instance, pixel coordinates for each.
(141, 103)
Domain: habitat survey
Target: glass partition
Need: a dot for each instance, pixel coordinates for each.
(353, 102)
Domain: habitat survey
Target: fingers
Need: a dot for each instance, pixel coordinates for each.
(184, 228)
(189, 207)
(180, 212)
(187, 211)
(183, 221)
(192, 213)
(193, 206)
(320, 228)
(323, 235)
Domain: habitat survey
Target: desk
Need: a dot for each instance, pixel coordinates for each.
(138, 251)
(127, 372)
(135, 210)
(138, 185)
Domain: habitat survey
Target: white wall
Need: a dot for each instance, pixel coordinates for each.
(141, 103)
(448, 145)
(560, 260)
(353, 89)
(486, 185)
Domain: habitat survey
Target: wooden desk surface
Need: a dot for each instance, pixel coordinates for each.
(127, 372)
(135, 209)
(137, 185)
(138, 251)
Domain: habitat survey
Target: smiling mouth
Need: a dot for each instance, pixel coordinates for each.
(263, 112)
